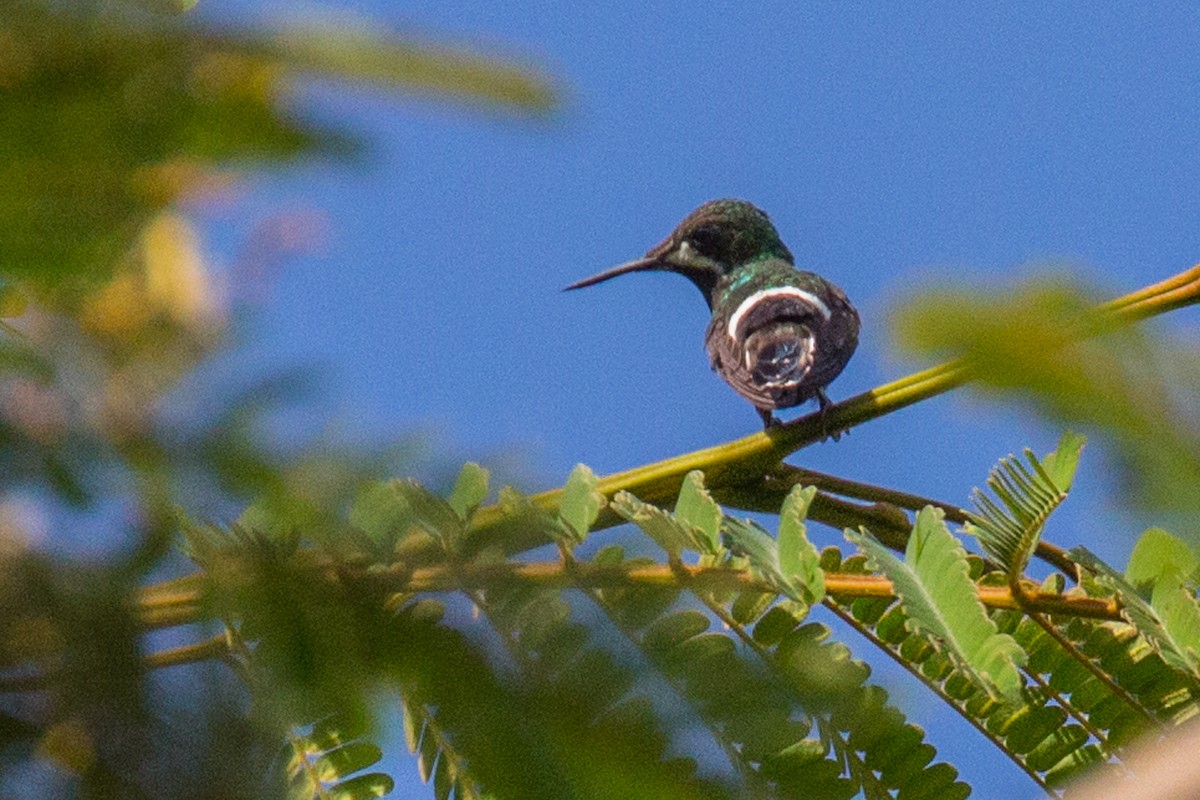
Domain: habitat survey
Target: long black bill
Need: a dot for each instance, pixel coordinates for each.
(640, 265)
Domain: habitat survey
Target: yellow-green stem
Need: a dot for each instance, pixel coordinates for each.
(747, 460)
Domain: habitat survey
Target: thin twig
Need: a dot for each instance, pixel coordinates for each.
(1067, 706)
(209, 649)
(216, 647)
(747, 460)
(556, 575)
(1092, 667)
(935, 687)
(785, 476)
(735, 757)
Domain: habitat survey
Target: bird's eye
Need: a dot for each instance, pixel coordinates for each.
(706, 241)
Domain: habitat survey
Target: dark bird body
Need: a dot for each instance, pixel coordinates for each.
(778, 335)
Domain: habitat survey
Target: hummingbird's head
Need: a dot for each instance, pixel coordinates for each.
(716, 238)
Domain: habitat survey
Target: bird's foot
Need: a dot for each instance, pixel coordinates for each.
(824, 402)
(769, 419)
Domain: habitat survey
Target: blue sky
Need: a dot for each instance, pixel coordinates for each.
(892, 144)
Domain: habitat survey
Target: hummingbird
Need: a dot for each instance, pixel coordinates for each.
(778, 334)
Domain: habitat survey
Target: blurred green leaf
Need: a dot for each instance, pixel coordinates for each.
(798, 558)
(1176, 604)
(656, 523)
(1157, 553)
(581, 503)
(13, 302)
(470, 489)
(430, 512)
(522, 516)
(357, 49)
(1060, 464)
(111, 115)
(1124, 384)
(696, 508)
(379, 512)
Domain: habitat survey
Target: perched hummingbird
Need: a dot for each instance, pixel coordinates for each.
(778, 335)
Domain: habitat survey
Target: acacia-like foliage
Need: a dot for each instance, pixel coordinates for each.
(686, 656)
(703, 672)
(597, 665)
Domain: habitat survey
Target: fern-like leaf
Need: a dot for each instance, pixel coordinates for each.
(1010, 526)
(819, 731)
(1068, 719)
(937, 593)
(437, 757)
(1170, 622)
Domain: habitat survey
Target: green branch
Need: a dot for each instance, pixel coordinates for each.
(893, 528)
(747, 461)
(556, 574)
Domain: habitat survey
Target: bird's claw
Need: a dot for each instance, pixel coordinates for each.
(824, 402)
(769, 419)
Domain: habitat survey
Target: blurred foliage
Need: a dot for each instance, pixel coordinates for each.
(112, 113)
(117, 117)
(1125, 388)
(558, 706)
(331, 596)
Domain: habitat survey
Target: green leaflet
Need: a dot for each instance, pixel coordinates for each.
(1009, 527)
(1153, 691)
(1170, 622)
(520, 513)
(696, 509)
(389, 510)
(378, 515)
(656, 523)
(798, 558)
(271, 520)
(792, 710)
(939, 597)
(374, 784)
(581, 503)
(1176, 605)
(470, 489)
(1156, 553)
(764, 555)
(748, 539)
(1060, 464)
(321, 763)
